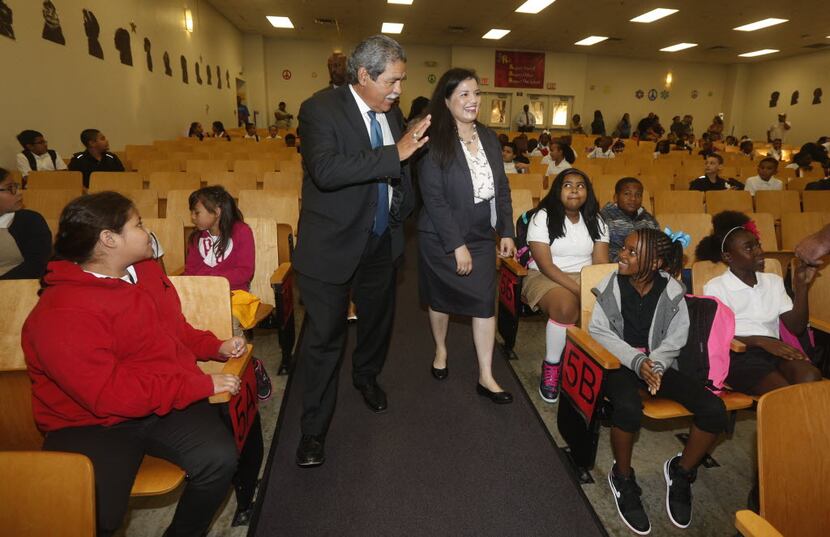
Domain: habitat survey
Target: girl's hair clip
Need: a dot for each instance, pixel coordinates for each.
(679, 236)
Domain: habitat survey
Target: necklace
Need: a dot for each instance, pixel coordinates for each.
(472, 139)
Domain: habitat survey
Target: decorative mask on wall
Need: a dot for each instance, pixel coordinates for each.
(184, 70)
(227, 79)
(147, 47)
(167, 69)
(773, 99)
(794, 98)
(51, 24)
(122, 43)
(6, 20)
(218, 77)
(817, 93)
(209, 75)
(198, 74)
(93, 30)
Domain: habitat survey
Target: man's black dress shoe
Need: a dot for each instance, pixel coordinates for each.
(440, 374)
(500, 398)
(310, 451)
(374, 397)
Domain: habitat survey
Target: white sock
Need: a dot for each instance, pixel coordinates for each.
(555, 338)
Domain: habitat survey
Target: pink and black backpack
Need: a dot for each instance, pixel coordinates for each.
(706, 353)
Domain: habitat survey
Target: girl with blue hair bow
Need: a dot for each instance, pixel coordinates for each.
(641, 317)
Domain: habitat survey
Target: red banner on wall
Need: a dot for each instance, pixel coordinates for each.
(520, 69)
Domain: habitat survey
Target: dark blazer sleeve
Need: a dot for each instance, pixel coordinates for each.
(34, 240)
(433, 185)
(331, 168)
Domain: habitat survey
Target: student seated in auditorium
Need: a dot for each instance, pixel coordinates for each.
(663, 147)
(821, 184)
(222, 244)
(273, 133)
(565, 234)
(25, 239)
(618, 147)
(625, 214)
(113, 366)
(36, 155)
(747, 150)
(602, 148)
(520, 144)
(775, 152)
(802, 163)
(763, 309)
(218, 131)
(290, 140)
(508, 156)
(196, 131)
(250, 132)
(96, 157)
(682, 143)
(641, 317)
(560, 158)
(711, 180)
(765, 180)
(730, 141)
(543, 147)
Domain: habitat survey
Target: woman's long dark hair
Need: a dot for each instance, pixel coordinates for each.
(552, 203)
(83, 220)
(212, 198)
(443, 134)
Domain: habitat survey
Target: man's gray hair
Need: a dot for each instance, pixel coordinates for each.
(374, 54)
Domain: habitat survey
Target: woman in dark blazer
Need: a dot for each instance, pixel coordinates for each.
(466, 203)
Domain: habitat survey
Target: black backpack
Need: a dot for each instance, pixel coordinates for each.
(33, 164)
(705, 356)
(523, 256)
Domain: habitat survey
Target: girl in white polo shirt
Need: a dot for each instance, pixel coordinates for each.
(565, 234)
(760, 302)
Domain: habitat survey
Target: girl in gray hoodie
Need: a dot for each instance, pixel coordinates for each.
(641, 317)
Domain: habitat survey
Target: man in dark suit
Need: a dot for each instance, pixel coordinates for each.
(356, 195)
(337, 64)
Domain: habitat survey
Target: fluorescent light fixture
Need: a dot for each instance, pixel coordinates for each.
(402, 2)
(654, 15)
(280, 22)
(591, 40)
(534, 6)
(188, 20)
(678, 47)
(766, 23)
(758, 53)
(391, 28)
(495, 33)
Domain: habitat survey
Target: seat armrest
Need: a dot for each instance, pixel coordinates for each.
(234, 366)
(179, 271)
(737, 346)
(513, 266)
(592, 348)
(751, 524)
(279, 275)
(820, 324)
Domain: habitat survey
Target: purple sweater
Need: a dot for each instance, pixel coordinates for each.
(238, 264)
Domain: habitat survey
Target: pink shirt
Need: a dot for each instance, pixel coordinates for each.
(237, 265)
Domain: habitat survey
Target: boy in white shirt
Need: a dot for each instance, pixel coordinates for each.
(250, 132)
(508, 155)
(36, 155)
(765, 180)
(775, 152)
(603, 148)
(273, 133)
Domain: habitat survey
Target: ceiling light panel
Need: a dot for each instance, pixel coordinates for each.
(495, 33)
(280, 22)
(391, 28)
(761, 52)
(678, 47)
(654, 15)
(591, 40)
(402, 2)
(534, 6)
(757, 25)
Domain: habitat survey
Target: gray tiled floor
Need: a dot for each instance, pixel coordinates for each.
(719, 492)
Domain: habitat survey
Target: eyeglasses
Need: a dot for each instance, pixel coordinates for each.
(12, 188)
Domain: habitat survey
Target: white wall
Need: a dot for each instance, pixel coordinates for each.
(61, 90)
(802, 73)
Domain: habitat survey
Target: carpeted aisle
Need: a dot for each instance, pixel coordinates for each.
(442, 461)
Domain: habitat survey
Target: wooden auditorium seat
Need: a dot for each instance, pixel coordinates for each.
(54, 180)
(49, 203)
(777, 202)
(682, 201)
(728, 200)
(115, 181)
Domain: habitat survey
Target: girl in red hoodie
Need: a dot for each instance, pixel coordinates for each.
(113, 366)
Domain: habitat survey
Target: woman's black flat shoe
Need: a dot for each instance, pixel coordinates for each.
(440, 374)
(500, 398)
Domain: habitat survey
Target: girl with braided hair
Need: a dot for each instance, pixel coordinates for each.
(642, 318)
(761, 304)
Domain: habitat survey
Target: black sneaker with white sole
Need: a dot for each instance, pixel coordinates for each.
(627, 493)
(678, 492)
